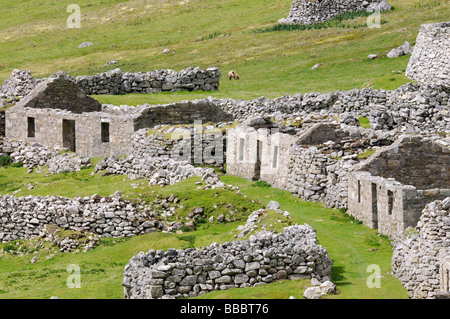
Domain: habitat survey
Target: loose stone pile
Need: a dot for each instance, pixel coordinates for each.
(158, 170)
(20, 83)
(36, 155)
(255, 219)
(416, 256)
(26, 217)
(264, 258)
(67, 162)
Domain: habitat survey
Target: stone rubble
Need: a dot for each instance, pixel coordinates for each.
(36, 155)
(158, 170)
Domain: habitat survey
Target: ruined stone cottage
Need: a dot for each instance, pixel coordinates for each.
(57, 113)
(389, 191)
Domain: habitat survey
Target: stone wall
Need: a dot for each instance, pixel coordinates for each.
(413, 160)
(205, 145)
(87, 140)
(25, 217)
(19, 84)
(316, 11)
(429, 61)
(58, 113)
(186, 112)
(117, 82)
(420, 254)
(410, 107)
(265, 258)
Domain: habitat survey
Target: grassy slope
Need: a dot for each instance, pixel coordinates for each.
(349, 244)
(34, 36)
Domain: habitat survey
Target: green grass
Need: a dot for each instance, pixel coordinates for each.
(364, 122)
(351, 245)
(366, 154)
(33, 35)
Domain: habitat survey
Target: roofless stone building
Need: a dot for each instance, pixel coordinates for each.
(57, 113)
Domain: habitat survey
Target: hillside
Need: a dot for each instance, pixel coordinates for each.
(34, 36)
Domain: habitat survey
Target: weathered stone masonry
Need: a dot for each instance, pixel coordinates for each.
(25, 217)
(389, 191)
(316, 11)
(421, 255)
(429, 61)
(265, 258)
(117, 82)
(81, 124)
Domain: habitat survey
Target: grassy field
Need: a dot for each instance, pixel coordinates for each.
(34, 36)
(352, 246)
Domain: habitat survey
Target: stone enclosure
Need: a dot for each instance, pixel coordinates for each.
(264, 258)
(316, 11)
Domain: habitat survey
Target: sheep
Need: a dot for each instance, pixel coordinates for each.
(233, 75)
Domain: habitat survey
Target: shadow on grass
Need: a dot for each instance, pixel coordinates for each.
(337, 273)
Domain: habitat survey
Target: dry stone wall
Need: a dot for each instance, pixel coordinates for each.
(410, 107)
(315, 11)
(419, 253)
(204, 145)
(117, 82)
(320, 172)
(26, 217)
(429, 61)
(264, 258)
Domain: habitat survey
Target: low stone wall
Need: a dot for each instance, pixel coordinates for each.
(25, 217)
(311, 11)
(429, 60)
(265, 258)
(410, 107)
(117, 82)
(418, 253)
